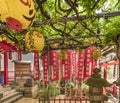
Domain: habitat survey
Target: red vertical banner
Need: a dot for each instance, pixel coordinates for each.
(73, 63)
(19, 55)
(88, 63)
(45, 67)
(80, 66)
(115, 91)
(54, 68)
(66, 67)
(94, 65)
(36, 70)
(105, 70)
(6, 68)
(10, 54)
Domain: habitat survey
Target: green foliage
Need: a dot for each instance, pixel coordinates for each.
(111, 29)
(20, 89)
(43, 92)
(90, 6)
(57, 10)
(70, 85)
(70, 89)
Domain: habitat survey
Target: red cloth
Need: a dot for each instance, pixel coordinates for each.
(73, 64)
(115, 91)
(54, 66)
(19, 55)
(66, 67)
(36, 66)
(88, 63)
(80, 65)
(10, 54)
(104, 90)
(7, 46)
(45, 67)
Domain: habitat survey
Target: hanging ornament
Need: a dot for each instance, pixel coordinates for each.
(18, 14)
(19, 55)
(10, 55)
(34, 40)
(96, 53)
(53, 45)
(62, 54)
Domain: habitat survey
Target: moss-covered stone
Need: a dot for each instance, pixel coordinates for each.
(96, 80)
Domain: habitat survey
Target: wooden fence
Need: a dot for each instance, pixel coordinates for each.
(65, 100)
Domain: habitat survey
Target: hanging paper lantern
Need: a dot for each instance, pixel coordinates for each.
(34, 40)
(96, 54)
(18, 14)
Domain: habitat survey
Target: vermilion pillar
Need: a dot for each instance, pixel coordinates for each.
(6, 68)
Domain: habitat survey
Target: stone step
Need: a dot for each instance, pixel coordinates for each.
(8, 92)
(13, 99)
(9, 96)
(5, 89)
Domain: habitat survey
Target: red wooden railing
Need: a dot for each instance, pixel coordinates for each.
(65, 100)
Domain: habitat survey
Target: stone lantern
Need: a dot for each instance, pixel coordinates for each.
(96, 85)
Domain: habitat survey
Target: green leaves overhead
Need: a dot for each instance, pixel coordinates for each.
(111, 29)
(71, 18)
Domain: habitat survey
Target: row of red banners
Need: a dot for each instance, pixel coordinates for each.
(86, 64)
(79, 66)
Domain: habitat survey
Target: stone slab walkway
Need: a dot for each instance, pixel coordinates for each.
(27, 100)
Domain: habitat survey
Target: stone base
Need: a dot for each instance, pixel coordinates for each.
(97, 98)
(31, 91)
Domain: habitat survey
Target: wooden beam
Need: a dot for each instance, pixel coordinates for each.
(75, 18)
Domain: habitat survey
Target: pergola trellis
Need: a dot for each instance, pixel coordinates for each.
(76, 43)
(50, 41)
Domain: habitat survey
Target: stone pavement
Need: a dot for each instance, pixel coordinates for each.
(27, 100)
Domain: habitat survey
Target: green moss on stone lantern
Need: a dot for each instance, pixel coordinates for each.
(96, 80)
